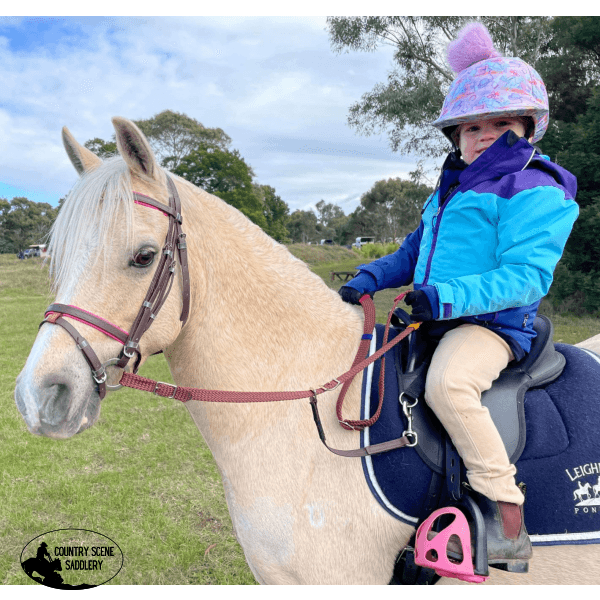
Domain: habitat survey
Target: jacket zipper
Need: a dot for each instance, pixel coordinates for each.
(437, 218)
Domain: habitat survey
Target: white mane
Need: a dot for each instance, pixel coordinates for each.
(89, 212)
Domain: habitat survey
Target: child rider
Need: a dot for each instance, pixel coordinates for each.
(480, 261)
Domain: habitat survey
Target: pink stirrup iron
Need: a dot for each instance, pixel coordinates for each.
(433, 553)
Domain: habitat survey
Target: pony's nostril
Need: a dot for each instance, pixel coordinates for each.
(55, 404)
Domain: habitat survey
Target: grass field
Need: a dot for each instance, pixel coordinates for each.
(142, 475)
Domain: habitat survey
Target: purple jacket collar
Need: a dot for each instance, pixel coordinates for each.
(508, 154)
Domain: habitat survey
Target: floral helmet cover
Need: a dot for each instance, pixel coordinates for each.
(490, 85)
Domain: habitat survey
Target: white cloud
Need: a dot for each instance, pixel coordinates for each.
(273, 84)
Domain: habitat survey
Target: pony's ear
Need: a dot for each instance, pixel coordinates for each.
(134, 148)
(83, 160)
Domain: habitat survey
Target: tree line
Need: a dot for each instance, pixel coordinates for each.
(204, 157)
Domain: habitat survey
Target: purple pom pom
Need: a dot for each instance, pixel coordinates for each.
(472, 45)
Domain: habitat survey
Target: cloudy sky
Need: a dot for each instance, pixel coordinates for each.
(273, 84)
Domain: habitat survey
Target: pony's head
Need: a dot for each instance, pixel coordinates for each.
(104, 251)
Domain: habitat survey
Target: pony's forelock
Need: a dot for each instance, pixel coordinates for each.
(85, 220)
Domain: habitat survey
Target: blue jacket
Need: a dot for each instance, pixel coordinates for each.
(489, 240)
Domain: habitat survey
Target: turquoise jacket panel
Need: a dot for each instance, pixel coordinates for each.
(489, 239)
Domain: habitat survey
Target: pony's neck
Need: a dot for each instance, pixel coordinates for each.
(260, 319)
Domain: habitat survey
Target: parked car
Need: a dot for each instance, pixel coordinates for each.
(326, 242)
(361, 241)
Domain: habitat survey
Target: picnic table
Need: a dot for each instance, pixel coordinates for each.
(342, 275)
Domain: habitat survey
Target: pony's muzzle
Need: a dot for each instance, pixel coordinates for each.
(56, 407)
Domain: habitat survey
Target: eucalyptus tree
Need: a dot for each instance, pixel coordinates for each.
(172, 136)
(419, 76)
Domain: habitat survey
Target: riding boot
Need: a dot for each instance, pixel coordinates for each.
(508, 545)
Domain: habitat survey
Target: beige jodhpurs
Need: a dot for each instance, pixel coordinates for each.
(465, 364)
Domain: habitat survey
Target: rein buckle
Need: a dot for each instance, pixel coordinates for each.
(100, 376)
(175, 387)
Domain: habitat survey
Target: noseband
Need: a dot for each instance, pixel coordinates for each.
(156, 296)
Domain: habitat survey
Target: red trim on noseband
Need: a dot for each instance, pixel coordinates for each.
(95, 327)
(52, 319)
(93, 315)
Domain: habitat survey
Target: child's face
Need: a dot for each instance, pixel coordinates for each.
(476, 137)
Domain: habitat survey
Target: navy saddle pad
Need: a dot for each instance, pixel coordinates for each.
(558, 449)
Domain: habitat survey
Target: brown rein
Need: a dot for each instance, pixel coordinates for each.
(185, 394)
(155, 298)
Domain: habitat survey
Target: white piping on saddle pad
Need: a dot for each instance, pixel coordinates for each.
(595, 356)
(554, 538)
(368, 460)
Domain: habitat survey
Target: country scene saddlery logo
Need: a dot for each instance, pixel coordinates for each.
(72, 559)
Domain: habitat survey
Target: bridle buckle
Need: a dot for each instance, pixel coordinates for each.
(100, 376)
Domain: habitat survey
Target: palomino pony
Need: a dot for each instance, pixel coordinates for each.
(259, 320)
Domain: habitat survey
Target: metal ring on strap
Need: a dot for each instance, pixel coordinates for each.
(110, 363)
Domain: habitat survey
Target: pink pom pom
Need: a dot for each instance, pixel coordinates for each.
(472, 45)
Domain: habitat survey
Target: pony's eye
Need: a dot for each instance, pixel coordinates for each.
(144, 258)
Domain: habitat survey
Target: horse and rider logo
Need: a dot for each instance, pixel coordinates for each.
(586, 495)
(583, 494)
(43, 569)
(71, 559)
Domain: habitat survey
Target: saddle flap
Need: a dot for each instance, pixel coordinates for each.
(504, 400)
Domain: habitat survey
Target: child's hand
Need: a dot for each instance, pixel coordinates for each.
(355, 289)
(421, 307)
(351, 295)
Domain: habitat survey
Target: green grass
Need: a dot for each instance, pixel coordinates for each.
(142, 475)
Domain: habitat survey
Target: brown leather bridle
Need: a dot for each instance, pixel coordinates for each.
(156, 296)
